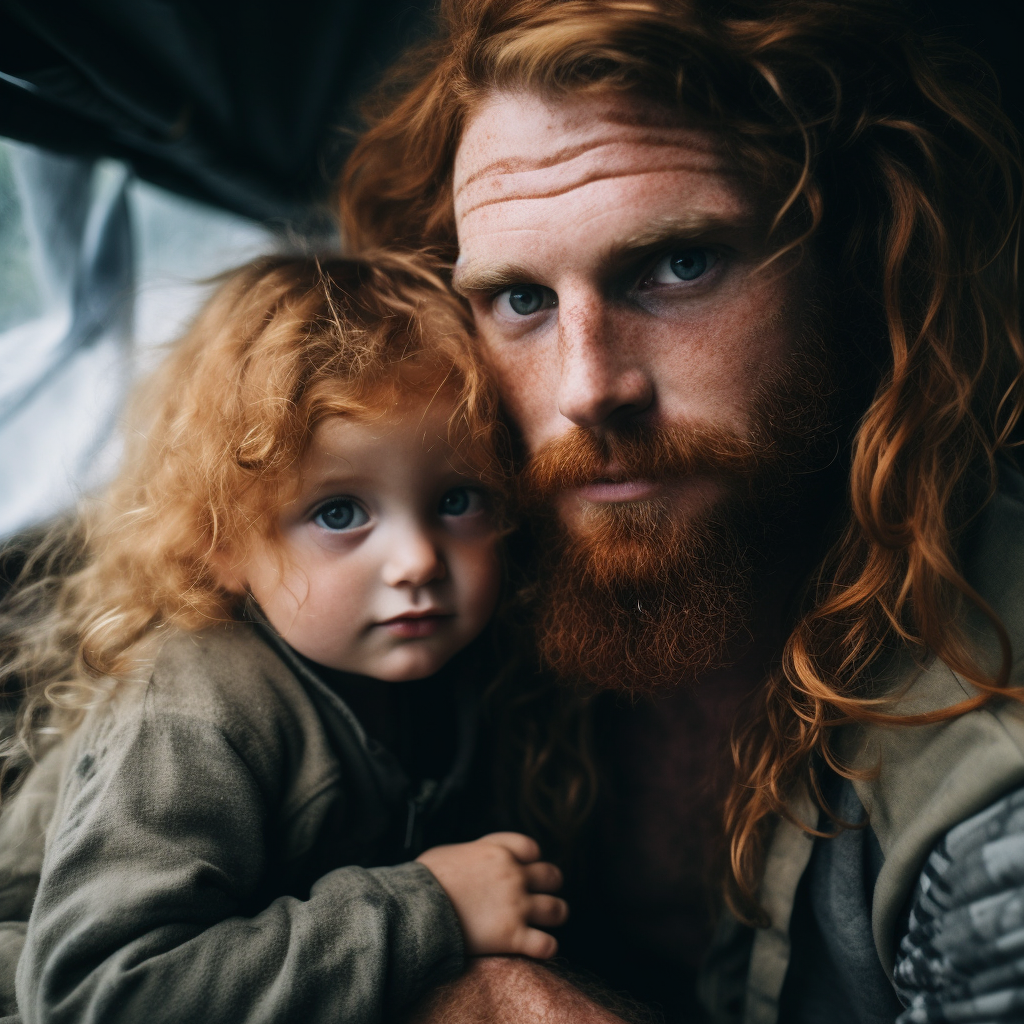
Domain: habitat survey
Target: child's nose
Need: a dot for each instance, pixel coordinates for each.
(413, 561)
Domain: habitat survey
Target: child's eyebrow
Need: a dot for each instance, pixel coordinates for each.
(321, 485)
(329, 481)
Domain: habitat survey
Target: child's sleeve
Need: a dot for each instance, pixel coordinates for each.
(149, 904)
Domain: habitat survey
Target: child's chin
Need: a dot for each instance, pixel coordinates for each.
(412, 665)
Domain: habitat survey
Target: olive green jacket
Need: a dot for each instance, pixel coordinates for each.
(210, 842)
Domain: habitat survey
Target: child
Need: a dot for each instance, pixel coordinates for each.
(305, 525)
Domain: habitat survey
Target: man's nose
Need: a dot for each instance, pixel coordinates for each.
(601, 377)
(413, 559)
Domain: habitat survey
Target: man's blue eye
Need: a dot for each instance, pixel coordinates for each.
(460, 501)
(681, 265)
(525, 299)
(340, 514)
(689, 264)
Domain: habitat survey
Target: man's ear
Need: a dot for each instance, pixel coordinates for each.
(229, 572)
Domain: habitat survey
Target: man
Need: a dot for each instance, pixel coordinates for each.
(746, 276)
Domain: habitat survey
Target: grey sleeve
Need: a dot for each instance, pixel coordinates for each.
(24, 818)
(962, 958)
(148, 906)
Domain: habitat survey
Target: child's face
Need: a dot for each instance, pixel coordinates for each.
(386, 563)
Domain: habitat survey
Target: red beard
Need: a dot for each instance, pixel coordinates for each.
(638, 596)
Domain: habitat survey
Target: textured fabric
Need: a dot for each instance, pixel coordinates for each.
(961, 955)
(922, 781)
(23, 826)
(787, 860)
(834, 972)
(962, 958)
(211, 857)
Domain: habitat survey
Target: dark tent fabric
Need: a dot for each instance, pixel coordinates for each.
(234, 102)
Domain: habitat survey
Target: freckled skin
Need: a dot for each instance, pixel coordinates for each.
(331, 593)
(555, 202)
(581, 198)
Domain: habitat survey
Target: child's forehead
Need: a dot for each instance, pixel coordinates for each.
(414, 420)
(414, 437)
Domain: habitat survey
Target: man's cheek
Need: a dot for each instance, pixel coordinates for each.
(527, 382)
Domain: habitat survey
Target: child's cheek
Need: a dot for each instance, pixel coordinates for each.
(482, 583)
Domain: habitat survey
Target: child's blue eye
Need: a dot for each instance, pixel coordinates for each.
(340, 514)
(460, 501)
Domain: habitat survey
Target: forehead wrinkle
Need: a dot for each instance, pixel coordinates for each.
(551, 193)
(565, 154)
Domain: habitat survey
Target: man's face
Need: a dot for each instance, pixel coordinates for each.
(613, 270)
(615, 263)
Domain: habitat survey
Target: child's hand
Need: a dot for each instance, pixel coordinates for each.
(497, 886)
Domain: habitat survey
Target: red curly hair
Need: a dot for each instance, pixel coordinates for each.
(216, 441)
(889, 155)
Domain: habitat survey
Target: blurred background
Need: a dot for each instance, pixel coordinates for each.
(148, 145)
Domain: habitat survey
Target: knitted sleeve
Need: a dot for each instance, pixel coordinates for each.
(962, 958)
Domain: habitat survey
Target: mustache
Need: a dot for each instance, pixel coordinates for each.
(581, 456)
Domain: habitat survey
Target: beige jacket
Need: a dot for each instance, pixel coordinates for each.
(928, 778)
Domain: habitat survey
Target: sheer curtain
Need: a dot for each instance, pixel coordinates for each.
(97, 271)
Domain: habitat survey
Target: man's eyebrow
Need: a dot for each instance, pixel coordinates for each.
(475, 276)
(693, 228)
(478, 275)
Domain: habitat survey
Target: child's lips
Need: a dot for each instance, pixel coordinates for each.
(414, 625)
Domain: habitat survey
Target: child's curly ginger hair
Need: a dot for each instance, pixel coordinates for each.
(218, 435)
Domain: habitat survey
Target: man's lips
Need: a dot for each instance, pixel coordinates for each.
(415, 624)
(601, 491)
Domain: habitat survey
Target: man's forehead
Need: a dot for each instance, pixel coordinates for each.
(524, 146)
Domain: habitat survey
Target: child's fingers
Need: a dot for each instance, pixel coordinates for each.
(537, 944)
(523, 848)
(546, 911)
(542, 877)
